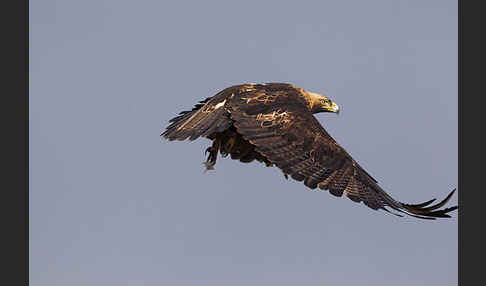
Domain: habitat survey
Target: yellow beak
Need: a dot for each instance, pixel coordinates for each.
(331, 107)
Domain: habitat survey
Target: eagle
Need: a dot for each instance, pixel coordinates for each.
(273, 123)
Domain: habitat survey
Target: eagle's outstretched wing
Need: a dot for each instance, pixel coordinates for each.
(284, 131)
(206, 118)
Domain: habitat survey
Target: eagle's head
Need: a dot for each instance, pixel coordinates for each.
(320, 103)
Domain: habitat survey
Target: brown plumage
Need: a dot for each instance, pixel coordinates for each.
(273, 123)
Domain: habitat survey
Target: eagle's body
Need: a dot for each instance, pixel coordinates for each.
(273, 123)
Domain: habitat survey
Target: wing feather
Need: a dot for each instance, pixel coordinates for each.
(207, 117)
(284, 131)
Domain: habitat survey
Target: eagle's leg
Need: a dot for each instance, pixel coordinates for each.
(228, 146)
(213, 154)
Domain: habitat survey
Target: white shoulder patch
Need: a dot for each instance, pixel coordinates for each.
(220, 104)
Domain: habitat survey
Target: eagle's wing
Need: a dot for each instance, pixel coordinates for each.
(284, 130)
(211, 114)
(207, 117)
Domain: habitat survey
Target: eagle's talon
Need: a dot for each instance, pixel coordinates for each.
(211, 152)
(208, 150)
(208, 165)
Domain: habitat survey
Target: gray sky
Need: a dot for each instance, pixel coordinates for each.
(113, 204)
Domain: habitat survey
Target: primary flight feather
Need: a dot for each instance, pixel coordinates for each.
(274, 123)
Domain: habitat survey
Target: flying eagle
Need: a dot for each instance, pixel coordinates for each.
(273, 124)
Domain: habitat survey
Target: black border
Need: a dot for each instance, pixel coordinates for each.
(15, 115)
(471, 65)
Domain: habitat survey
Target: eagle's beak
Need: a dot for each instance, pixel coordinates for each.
(331, 107)
(335, 108)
